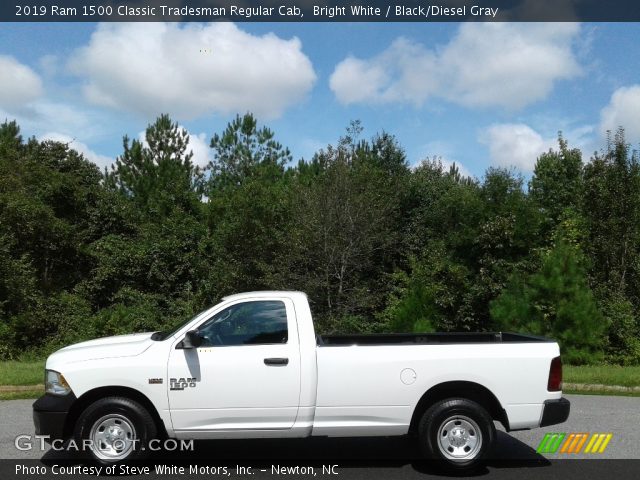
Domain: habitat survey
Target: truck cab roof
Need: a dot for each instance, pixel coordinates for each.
(266, 294)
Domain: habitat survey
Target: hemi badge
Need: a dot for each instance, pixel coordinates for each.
(155, 380)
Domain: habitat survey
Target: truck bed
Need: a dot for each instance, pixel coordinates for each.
(427, 338)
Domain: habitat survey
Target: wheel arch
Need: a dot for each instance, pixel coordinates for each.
(89, 397)
(459, 389)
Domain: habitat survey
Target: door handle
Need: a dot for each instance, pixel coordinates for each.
(276, 361)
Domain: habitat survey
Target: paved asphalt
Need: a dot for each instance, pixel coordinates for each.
(514, 455)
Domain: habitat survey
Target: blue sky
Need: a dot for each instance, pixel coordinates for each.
(477, 94)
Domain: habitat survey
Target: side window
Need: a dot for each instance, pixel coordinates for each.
(249, 323)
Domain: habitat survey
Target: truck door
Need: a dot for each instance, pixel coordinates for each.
(246, 373)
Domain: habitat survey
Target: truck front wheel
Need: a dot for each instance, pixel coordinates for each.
(456, 431)
(115, 429)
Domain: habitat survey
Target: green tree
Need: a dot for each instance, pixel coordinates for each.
(247, 210)
(623, 335)
(557, 183)
(432, 295)
(557, 302)
(241, 147)
(160, 175)
(47, 191)
(611, 206)
(159, 258)
(248, 232)
(344, 226)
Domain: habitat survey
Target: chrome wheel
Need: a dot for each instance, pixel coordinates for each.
(459, 438)
(113, 437)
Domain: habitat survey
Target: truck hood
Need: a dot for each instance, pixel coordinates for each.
(107, 347)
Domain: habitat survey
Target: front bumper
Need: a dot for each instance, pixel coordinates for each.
(555, 411)
(50, 414)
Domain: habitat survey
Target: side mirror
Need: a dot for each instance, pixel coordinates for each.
(191, 340)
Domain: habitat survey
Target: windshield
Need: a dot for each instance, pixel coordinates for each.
(164, 334)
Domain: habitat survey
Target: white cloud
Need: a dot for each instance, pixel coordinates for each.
(508, 65)
(49, 64)
(623, 110)
(201, 150)
(192, 70)
(356, 80)
(100, 160)
(19, 84)
(197, 144)
(403, 72)
(45, 116)
(515, 145)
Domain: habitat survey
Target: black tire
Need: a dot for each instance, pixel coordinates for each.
(118, 429)
(457, 433)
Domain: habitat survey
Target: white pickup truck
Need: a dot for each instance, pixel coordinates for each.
(253, 367)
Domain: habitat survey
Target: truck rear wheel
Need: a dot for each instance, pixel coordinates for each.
(115, 429)
(457, 432)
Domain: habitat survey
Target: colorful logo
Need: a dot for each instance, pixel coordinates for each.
(573, 442)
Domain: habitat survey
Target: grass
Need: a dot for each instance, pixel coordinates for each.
(21, 395)
(22, 373)
(600, 391)
(602, 375)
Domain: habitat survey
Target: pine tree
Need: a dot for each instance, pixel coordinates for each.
(241, 148)
(557, 302)
(160, 175)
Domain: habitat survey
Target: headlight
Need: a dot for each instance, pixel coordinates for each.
(55, 383)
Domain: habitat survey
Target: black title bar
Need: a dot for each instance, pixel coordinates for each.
(320, 11)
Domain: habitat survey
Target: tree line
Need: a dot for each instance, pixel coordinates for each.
(378, 246)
